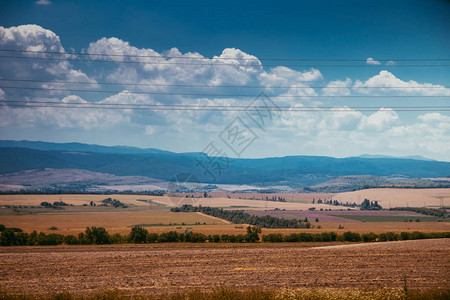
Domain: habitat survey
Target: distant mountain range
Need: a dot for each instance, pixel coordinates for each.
(77, 147)
(294, 171)
(80, 147)
(416, 157)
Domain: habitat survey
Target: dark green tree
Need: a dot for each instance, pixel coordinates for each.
(21, 239)
(117, 238)
(169, 237)
(32, 238)
(369, 237)
(8, 237)
(138, 235)
(71, 240)
(152, 237)
(351, 236)
(97, 235)
(252, 235)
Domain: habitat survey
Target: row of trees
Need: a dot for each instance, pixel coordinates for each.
(92, 235)
(365, 205)
(113, 202)
(370, 205)
(335, 203)
(55, 205)
(139, 235)
(275, 199)
(352, 237)
(241, 217)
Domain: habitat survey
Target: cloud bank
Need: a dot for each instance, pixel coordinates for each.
(333, 129)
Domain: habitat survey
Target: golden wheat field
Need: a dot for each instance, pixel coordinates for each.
(156, 217)
(243, 203)
(118, 222)
(75, 199)
(169, 201)
(400, 197)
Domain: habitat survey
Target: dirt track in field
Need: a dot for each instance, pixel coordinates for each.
(167, 268)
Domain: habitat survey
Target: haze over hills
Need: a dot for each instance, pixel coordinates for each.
(46, 146)
(310, 172)
(38, 145)
(417, 157)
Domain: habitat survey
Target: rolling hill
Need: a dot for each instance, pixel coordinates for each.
(296, 171)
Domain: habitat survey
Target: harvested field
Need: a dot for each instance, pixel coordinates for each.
(119, 222)
(380, 227)
(75, 219)
(378, 213)
(388, 198)
(75, 199)
(164, 201)
(240, 203)
(368, 218)
(170, 268)
(346, 215)
(290, 197)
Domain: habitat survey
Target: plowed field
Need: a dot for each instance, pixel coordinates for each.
(172, 267)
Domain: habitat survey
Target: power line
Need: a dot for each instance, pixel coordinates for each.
(222, 64)
(218, 94)
(231, 108)
(212, 109)
(274, 107)
(224, 58)
(219, 86)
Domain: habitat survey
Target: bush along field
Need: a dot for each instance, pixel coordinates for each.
(99, 236)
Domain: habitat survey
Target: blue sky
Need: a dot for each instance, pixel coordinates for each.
(260, 29)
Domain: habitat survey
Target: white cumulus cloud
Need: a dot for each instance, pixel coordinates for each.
(36, 38)
(231, 67)
(385, 81)
(343, 130)
(337, 88)
(62, 117)
(371, 61)
(383, 119)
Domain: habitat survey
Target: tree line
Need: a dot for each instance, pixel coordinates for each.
(241, 217)
(140, 235)
(352, 237)
(334, 202)
(55, 205)
(370, 205)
